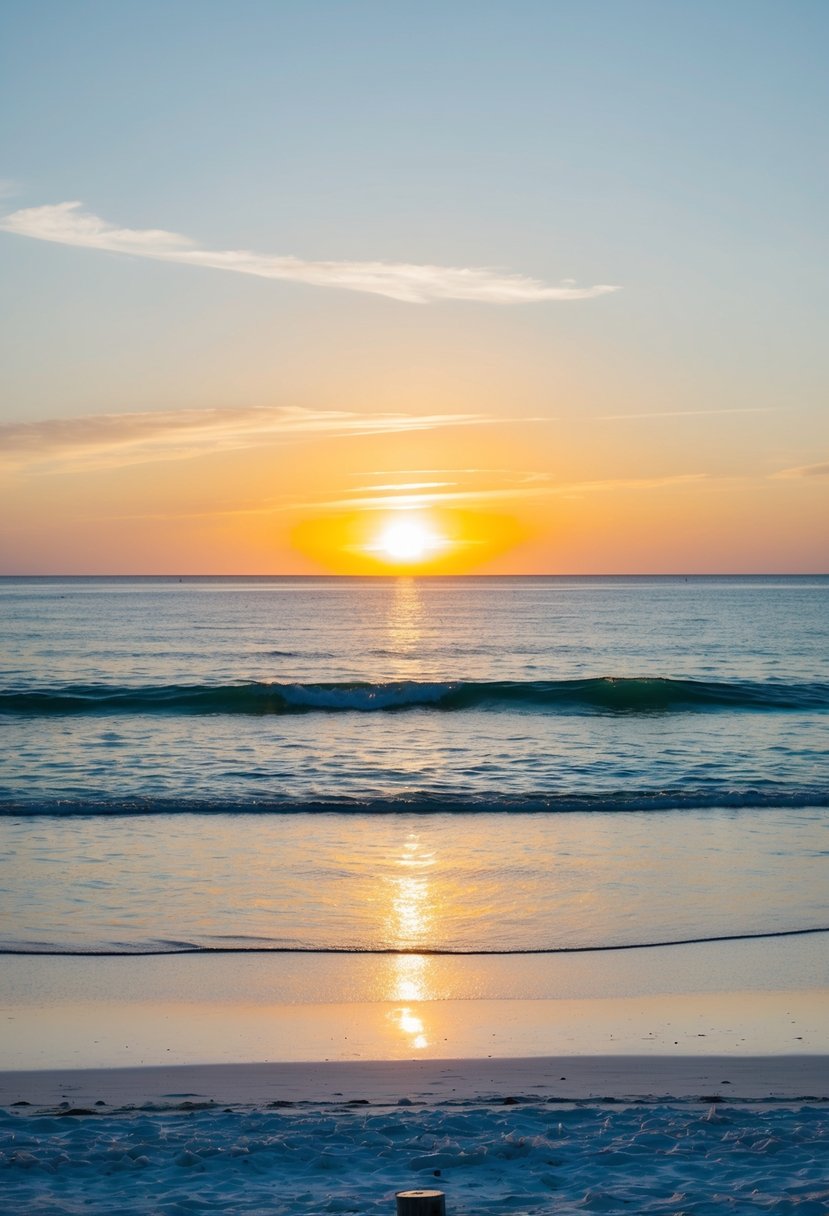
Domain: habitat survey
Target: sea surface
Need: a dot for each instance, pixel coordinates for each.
(411, 765)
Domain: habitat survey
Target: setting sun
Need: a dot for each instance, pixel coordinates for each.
(407, 540)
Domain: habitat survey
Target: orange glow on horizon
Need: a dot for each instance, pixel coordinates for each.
(501, 499)
(406, 542)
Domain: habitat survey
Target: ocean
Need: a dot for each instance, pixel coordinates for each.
(448, 765)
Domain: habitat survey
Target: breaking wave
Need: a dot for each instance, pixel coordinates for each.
(608, 695)
(717, 796)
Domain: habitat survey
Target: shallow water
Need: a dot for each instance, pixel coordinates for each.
(458, 883)
(526, 764)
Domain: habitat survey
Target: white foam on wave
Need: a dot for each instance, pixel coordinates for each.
(488, 1159)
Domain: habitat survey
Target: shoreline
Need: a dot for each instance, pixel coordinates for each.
(425, 1082)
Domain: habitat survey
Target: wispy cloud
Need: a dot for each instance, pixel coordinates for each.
(805, 470)
(98, 441)
(405, 486)
(612, 484)
(418, 502)
(67, 224)
(515, 485)
(686, 413)
(493, 485)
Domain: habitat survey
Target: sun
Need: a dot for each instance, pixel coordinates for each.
(407, 540)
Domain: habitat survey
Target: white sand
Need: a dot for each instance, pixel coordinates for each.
(496, 1136)
(430, 1081)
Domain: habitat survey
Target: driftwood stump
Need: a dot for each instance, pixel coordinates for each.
(421, 1203)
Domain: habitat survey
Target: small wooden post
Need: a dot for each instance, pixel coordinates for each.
(421, 1203)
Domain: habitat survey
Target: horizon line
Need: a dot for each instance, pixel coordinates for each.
(426, 575)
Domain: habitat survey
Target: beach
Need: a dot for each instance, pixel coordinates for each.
(741, 998)
(665, 1102)
(632, 1079)
(415, 897)
(570, 1134)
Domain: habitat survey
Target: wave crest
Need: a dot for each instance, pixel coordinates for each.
(606, 694)
(715, 797)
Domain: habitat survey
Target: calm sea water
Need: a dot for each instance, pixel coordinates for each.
(453, 764)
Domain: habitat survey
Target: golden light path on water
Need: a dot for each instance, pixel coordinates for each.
(411, 903)
(413, 908)
(405, 629)
(410, 920)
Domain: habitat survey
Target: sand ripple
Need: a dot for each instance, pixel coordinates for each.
(673, 1159)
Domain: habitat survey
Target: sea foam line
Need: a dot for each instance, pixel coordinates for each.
(395, 951)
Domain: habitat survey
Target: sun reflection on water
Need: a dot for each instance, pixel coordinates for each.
(405, 628)
(410, 921)
(410, 980)
(411, 913)
(410, 1024)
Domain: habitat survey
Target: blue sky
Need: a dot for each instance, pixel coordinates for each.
(673, 151)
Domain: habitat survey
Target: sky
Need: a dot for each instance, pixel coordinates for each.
(359, 286)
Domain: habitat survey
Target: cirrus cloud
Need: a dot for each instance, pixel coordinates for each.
(101, 441)
(67, 224)
(805, 470)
